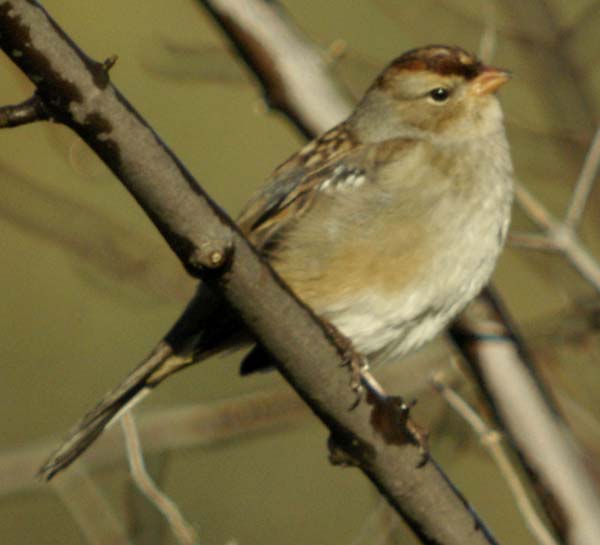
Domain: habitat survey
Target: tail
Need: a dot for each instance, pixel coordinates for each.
(157, 366)
(204, 328)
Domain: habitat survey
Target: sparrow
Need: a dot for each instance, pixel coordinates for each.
(387, 225)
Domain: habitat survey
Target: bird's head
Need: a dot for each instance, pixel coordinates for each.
(432, 92)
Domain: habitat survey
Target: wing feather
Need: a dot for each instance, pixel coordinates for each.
(291, 190)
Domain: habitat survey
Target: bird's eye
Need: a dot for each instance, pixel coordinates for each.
(439, 94)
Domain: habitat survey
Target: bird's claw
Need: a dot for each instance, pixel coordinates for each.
(355, 362)
(358, 365)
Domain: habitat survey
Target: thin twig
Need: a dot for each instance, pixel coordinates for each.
(534, 210)
(26, 112)
(144, 521)
(378, 526)
(491, 441)
(562, 237)
(532, 241)
(182, 530)
(582, 261)
(539, 433)
(487, 43)
(584, 184)
(86, 504)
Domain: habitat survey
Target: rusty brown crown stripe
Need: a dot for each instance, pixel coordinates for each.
(443, 60)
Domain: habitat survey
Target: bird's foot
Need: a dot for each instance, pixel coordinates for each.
(356, 363)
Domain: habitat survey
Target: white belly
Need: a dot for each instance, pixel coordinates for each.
(384, 327)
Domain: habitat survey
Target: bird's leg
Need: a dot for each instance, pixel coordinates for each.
(390, 413)
(353, 360)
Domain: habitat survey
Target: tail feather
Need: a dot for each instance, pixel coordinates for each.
(206, 326)
(127, 394)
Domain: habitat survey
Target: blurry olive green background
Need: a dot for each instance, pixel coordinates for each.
(88, 286)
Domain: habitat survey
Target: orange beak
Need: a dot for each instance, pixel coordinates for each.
(489, 81)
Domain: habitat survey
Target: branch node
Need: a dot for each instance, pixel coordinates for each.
(110, 62)
(213, 254)
(29, 111)
(336, 51)
(345, 449)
